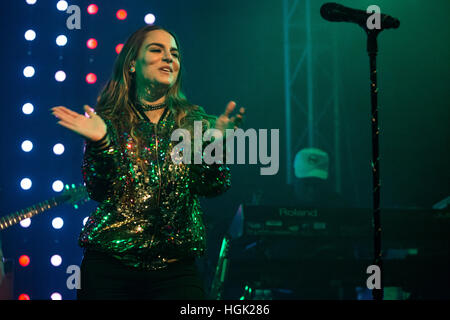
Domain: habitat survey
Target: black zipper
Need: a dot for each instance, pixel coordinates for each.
(141, 114)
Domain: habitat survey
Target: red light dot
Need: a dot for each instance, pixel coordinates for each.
(121, 14)
(24, 260)
(92, 9)
(92, 43)
(119, 48)
(24, 296)
(91, 78)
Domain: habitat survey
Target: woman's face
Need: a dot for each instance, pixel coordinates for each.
(158, 50)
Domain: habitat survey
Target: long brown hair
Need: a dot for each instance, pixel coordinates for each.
(116, 98)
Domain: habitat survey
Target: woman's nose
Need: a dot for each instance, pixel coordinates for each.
(167, 57)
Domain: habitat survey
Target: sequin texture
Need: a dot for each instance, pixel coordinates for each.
(146, 217)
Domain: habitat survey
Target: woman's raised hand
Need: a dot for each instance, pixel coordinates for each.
(91, 127)
(225, 121)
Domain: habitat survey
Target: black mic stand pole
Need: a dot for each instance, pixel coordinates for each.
(337, 13)
(372, 49)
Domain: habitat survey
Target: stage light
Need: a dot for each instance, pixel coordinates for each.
(57, 223)
(85, 220)
(56, 260)
(25, 223)
(24, 296)
(121, 14)
(61, 40)
(27, 146)
(119, 48)
(92, 43)
(56, 296)
(28, 71)
(30, 35)
(25, 183)
(91, 78)
(62, 5)
(92, 9)
(58, 149)
(24, 260)
(57, 186)
(149, 18)
(31, 1)
(60, 76)
(27, 108)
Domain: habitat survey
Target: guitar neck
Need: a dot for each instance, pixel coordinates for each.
(29, 212)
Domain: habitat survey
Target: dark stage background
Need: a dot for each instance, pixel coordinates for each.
(232, 50)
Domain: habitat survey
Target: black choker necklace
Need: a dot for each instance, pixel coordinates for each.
(146, 107)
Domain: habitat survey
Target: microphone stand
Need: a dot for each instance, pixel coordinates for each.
(372, 50)
(337, 13)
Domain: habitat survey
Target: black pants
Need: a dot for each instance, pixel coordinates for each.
(106, 278)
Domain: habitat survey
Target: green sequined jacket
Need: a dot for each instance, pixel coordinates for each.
(147, 218)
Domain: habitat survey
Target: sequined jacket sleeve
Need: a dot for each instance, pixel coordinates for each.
(100, 167)
(210, 180)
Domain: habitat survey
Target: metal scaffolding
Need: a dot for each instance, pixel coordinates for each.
(311, 84)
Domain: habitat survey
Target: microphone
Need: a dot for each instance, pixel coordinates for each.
(338, 13)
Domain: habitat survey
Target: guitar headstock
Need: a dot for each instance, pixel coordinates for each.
(76, 194)
(73, 194)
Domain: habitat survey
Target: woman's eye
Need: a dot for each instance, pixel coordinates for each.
(158, 50)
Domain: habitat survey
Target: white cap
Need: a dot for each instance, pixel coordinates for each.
(311, 162)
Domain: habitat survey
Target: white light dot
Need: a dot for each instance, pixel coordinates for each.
(57, 223)
(25, 183)
(62, 5)
(56, 260)
(28, 71)
(57, 186)
(61, 40)
(31, 1)
(85, 220)
(56, 296)
(25, 223)
(27, 108)
(58, 149)
(60, 76)
(30, 35)
(149, 18)
(27, 146)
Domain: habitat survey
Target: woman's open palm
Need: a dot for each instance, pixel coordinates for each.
(92, 127)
